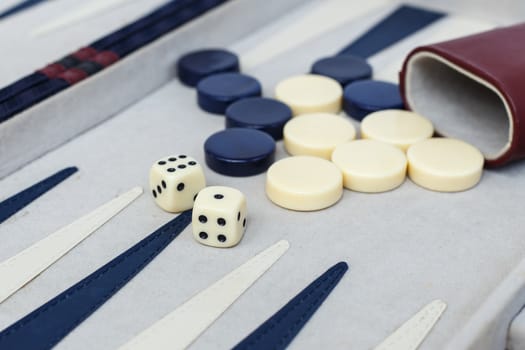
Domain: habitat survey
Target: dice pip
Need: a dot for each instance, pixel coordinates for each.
(219, 216)
(175, 182)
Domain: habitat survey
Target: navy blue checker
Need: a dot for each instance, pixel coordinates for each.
(265, 114)
(363, 97)
(197, 65)
(215, 93)
(239, 152)
(344, 68)
(278, 331)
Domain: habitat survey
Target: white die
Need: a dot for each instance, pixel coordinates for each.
(219, 216)
(175, 181)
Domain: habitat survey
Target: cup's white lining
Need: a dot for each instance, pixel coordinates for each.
(470, 109)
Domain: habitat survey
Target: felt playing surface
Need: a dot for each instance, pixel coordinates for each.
(406, 247)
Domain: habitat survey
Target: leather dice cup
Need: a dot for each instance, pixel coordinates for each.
(473, 88)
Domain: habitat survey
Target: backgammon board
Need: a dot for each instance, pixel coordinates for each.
(404, 247)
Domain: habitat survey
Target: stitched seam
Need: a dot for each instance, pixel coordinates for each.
(225, 280)
(305, 315)
(95, 277)
(296, 304)
(111, 292)
(176, 225)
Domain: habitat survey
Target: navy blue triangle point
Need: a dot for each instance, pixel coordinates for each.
(47, 325)
(279, 330)
(22, 6)
(350, 63)
(13, 204)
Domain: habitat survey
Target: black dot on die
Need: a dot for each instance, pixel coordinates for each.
(163, 183)
(161, 162)
(203, 235)
(171, 170)
(192, 163)
(221, 238)
(180, 186)
(154, 193)
(182, 156)
(172, 159)
(218, 196)
(182, 166)
(221, 222)
(244, 223)
(195, 197)
(159, 190)
(203, 219)
(239, 216)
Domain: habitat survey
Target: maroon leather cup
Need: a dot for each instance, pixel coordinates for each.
(473, 88)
